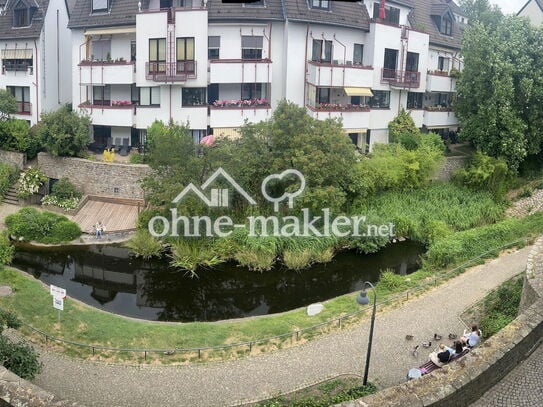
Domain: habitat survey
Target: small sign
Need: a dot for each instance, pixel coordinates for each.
(57, 292)
(58, 303)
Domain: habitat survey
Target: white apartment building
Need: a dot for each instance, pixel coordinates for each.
(217, 65)
(30, 30)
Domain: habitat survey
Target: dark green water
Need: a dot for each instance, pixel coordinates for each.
(106, 277)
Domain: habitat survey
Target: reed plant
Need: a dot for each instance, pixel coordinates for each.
(143, 245)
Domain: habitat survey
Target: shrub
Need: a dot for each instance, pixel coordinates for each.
(136, 158)
(64, 189)
(6, 250)
(20, 358)
(9, 319)
(65, 231)
(70, 203)
(8, 175)
(30, 182)
(15, 135)
(142, 244)
(391, 281)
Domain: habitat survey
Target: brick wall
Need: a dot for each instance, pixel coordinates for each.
(17, 159)
(95, 177)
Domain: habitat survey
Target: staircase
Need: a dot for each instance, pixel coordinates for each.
(11, 196)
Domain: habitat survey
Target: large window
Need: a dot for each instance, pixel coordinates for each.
(101, 50)
(149, 96)
(101, 95)
(22, 15)
(185, 54)
(194, 96)
(157, 55)
(22, 96)
(412, 62)
(392, 14)
(443, 64)
(251, 46)
(389, 63)
(320, 4)
(318, 55)
(414, 100)
(213, 47)
(16, 59)
(358, 54)
(323, 95)
(380, 99)
(251, 91)
(446, 26)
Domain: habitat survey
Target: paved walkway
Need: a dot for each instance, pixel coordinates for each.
(228, 383)
(523, 387)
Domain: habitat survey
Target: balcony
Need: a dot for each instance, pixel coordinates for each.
(116, 113)
(104, 72)
(352, 116)
(400, 79)
(178, 71)
(229, 114)
(24, 108)
(440, 81)
(24, 68)
(240, 71)
(339, 75)
(435, 116)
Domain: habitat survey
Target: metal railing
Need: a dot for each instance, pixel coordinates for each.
(296, 335)
(178, 71)
(24, 108)
(405, 79)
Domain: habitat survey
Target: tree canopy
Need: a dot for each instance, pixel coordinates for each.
(8, 104)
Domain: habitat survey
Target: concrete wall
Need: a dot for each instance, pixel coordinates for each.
(462, 382)
(17, 159)
(96, 178)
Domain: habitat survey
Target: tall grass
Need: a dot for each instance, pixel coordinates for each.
(142, 244)
(190, 254)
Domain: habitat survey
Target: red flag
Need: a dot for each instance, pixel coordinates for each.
(382, 14)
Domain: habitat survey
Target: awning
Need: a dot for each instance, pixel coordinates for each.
(230, 132)
(358, 92)
(23, 53)
(111, 31)
(355, 130)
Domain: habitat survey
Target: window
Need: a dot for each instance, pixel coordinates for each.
(213, 47)
(100, 5)
(392, 14)
(446, 26)
(443, 99)
(17, 59)
(149, 96)
(194, 96)
(101, 50)
(414, 100)
(212, 93)
(380, 99)
(22, 96)
(251, 91)
(157, 55)
(22, 15)
(412, 62)
(318, 51)
(135, 94)
(101, 95)
(251, 46)
(358, 54)
(185, 54)
(133, 51)
(323, 95)
(320, 4)
(443, 64)
(389, 63)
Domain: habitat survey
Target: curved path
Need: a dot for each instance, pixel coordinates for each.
(229, 383)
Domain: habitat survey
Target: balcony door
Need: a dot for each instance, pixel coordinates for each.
(412, 62)
(390, 63)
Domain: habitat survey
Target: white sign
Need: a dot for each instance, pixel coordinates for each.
(58, 303)
(314, 309)
(57, 292)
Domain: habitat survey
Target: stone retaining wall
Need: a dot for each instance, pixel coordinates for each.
(95, 177)
(462, 382)
(449, 166)
(17, 159)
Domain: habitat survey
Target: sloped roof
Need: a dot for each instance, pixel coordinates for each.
(122, 12)
(538, 2)
(421, 18)
(456, 9)
(70, 5)
(217, 11)
(33, 30)
(347, 14)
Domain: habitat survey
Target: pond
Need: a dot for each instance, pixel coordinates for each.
(107, 277)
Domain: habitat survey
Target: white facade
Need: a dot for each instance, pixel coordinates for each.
(43, 82)
(251, 66)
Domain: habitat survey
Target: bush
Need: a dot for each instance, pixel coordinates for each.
(6, 250)
(20, 358)
(64, 189)
(142, 244)
(9, 319)
(8, 175)
(136, 158)
(30, 182)
(15, 135)
(43, 227)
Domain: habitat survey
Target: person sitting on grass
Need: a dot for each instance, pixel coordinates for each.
(441, 355)
(471, 339)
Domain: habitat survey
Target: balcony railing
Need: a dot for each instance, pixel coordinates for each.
(404, 79)
(178, 71)
(24, 108)
(21, 67)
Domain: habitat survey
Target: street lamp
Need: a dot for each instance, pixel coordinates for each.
(363, 299)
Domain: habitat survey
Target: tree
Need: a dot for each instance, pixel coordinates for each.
(15, 135)
(8, 104)
(65, 133)
(481, 11)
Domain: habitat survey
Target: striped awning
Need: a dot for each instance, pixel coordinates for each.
(23, 53)
(110, 31)
(355, 130)
(358, 91)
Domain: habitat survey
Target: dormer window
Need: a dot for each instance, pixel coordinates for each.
(446, 26)
(320, 4)
(100, 5)
(443, 20)
(22, 15)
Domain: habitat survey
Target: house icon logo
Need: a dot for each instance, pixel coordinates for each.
(219, 197)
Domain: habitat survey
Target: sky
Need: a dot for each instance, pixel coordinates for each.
(509, 6)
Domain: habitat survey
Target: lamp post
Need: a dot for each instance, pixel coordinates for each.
(363, 299)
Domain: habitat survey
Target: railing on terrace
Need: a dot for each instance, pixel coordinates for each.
(339, 64)
(178, 71)
(293, 335)
(404, 79)
(338, 107)
(24, 108)
(20, 67)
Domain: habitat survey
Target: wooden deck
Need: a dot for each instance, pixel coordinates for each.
(115, 217)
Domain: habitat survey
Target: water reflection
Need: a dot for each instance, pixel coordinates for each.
(108, 278)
